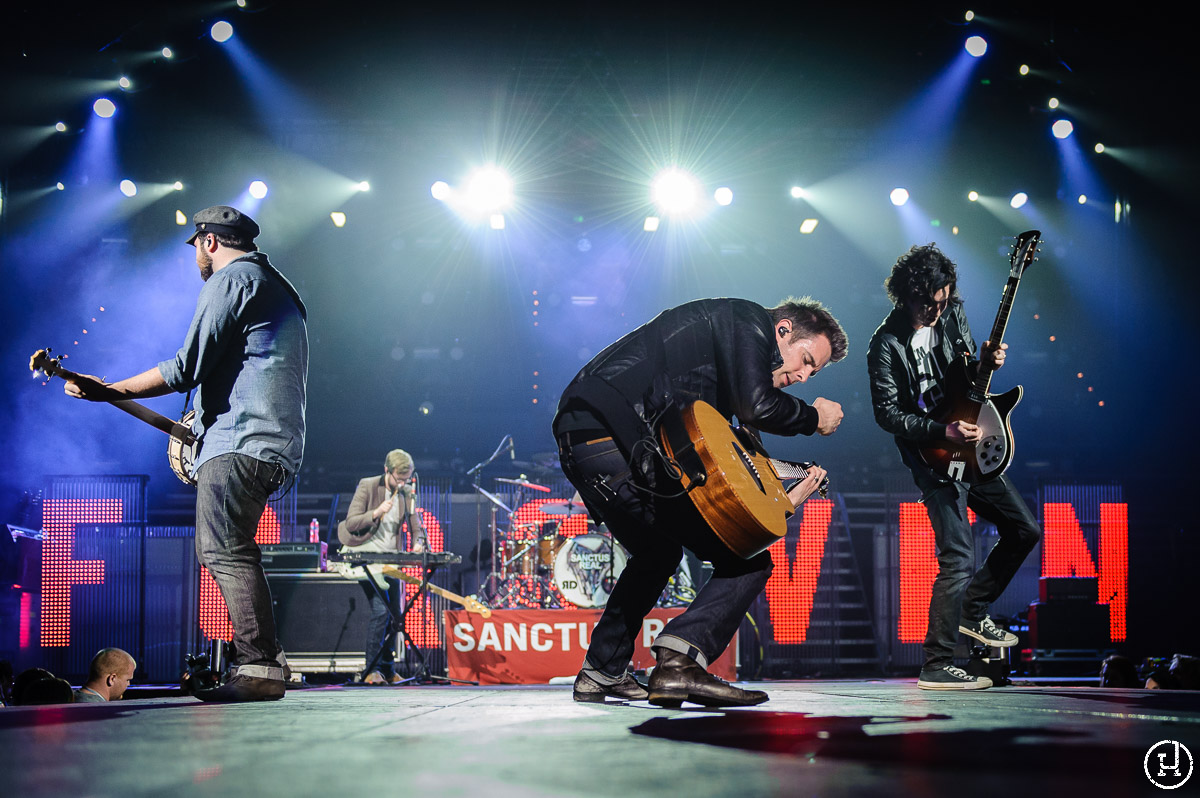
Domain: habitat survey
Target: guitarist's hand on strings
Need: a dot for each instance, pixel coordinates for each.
(93, 389)
(829, 415)
(800, 492)
(992, 357)
(963, 432)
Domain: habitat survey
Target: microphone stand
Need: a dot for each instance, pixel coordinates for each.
(506, 443)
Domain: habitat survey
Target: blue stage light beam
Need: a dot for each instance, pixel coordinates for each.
(276, 101)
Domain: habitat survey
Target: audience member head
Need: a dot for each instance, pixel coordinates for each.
(110, 673)
(1119, 671)
(48, 690)
(24, 679)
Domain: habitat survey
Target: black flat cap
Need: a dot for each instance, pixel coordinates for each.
(224, 220)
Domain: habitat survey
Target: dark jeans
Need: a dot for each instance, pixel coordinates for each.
(655, 530)
(377, 628)
(231, 492)
(957, 595)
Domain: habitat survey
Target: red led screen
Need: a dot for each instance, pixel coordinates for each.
(1065, 553)
(60, 569)
(793, 583)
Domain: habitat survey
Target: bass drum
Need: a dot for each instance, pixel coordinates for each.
(586, 569)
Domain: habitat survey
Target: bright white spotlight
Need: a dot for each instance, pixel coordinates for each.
(59, 185)
(973, 196)
(177, 186)
(124, 82)
(808, 225)
(258, 189)
(651, 224)
(798, 193)
(1024, 70)
(363, 186)
(496, 221)
(970, 15)
(1052, 103)
(1083, 199)
(168, 52)
(104, 108)
(489, 189)
(976, 46)
(1062, 129)
(1099, 148)
(899, 196)
(180, 218)
(221, 31)
(674, 190)
(339, 218)
(440, 190)
(723, 195)
(128, 188)
(1019, 199)
(61, 127)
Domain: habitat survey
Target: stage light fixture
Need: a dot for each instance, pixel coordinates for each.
(973, 196)
(177, 186)
(363, 186)
(496, 221)
(651, 224)
(798, 193)
(1062, 129)
(808, 225)
(976, 46)
(1024, 70)
(1099, 148)
(124, 82)
(128, 188)
(1083, 199)
(61, 127)
(221, 31)
(674, 190)
(899, 196)
(180, 218)
(104, 108)
(489, 189)
(440, 190)
(970, 15)
(1052, 103)
(339, 218)
(258, 189)
(723, 195)
(1019, 199)
(59, 185)
(167, 52)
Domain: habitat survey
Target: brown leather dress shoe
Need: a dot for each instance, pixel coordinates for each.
(244, 688)
(680, 678)
(589, 690)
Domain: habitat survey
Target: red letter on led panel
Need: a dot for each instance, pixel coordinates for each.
(791, 588)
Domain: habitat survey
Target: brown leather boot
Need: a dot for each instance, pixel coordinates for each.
(680, 678)
(244, 688)
(589, 690)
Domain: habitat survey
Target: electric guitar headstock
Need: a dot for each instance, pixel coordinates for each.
(1024, 252)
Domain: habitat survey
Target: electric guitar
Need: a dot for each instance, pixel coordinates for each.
(966, 398)
(183, 447)
(377, 572)
(736, 487)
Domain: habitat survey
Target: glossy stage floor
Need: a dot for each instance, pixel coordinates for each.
(875, 737)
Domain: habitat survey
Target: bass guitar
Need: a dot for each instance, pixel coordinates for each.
(183, 447)
(966, 398)
(737, 488)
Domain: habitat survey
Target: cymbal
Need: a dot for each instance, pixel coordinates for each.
(524, 483)
(563, 508)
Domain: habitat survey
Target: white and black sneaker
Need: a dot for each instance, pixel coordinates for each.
(988, 633)
(951, 678)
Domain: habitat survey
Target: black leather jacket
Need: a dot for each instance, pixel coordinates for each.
(720, 350)
(894, 387)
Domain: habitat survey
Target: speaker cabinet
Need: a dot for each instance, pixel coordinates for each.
(321, 615)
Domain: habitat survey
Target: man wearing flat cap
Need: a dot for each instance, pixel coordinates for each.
(246, 356)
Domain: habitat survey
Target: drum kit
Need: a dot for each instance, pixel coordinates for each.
(540, 563)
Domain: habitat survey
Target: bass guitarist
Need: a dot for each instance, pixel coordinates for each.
(737, 356)
(907, 360)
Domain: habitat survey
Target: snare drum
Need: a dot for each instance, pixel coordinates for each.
(586, 569)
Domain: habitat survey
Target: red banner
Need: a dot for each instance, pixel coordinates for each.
(534, 646)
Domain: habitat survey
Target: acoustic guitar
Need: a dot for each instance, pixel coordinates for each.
(966, 398)
(737, 488)
(183, 447)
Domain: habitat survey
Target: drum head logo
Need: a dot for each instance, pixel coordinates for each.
(1168, 764)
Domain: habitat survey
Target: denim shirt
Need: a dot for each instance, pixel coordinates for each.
(246, 352)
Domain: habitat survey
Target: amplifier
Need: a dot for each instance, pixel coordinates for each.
(293, 556)
(1074, 625)
(1068, 588)
(319, 614)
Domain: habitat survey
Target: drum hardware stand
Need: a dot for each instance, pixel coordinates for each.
(506, 445)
